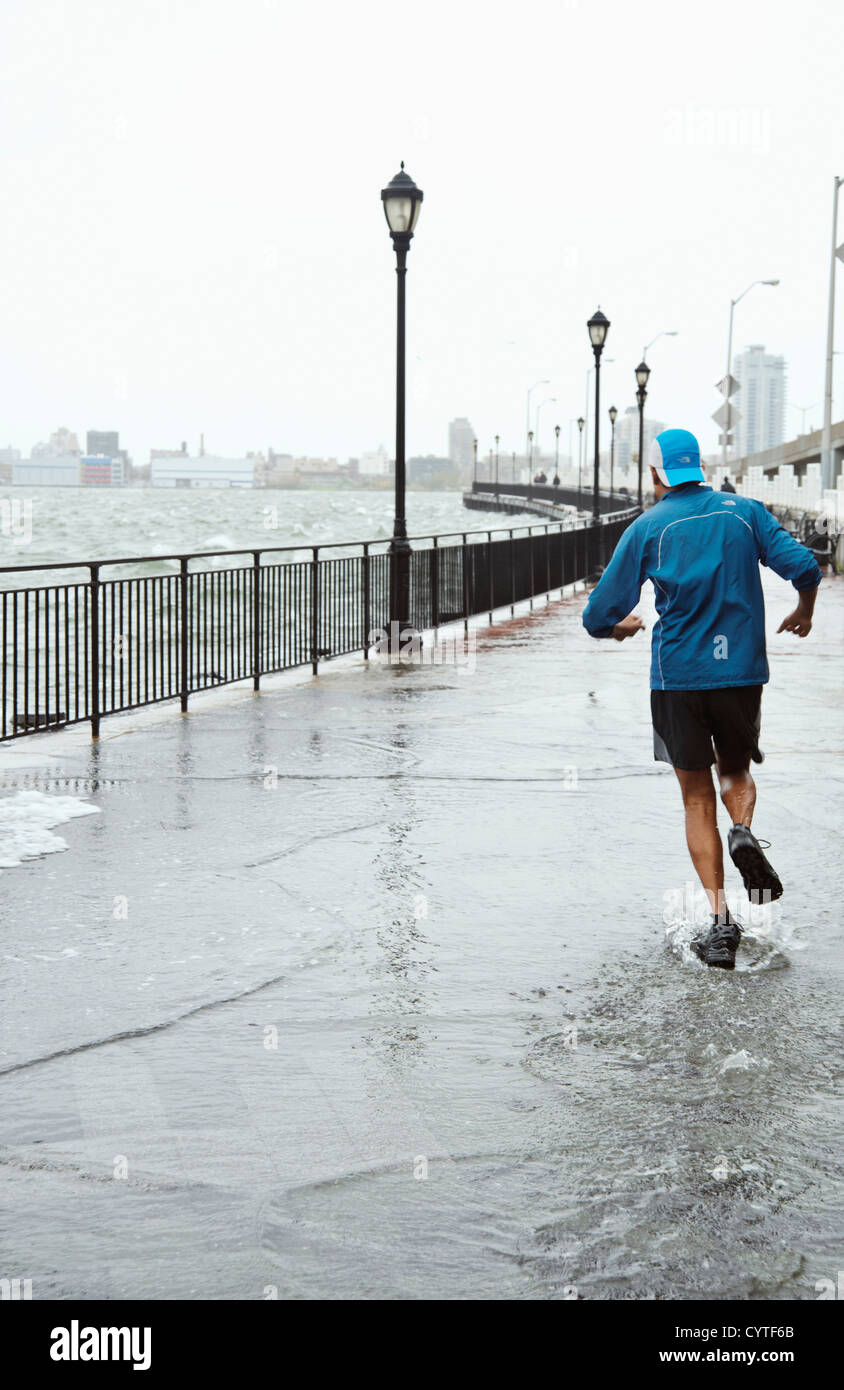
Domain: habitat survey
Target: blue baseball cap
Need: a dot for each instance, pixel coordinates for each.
(675, 454)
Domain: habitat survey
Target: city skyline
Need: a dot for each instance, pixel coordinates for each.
(184, 288)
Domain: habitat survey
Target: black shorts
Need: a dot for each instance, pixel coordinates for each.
(692, 727)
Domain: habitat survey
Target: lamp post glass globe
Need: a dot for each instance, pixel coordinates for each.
(643, 371)
(613, 413)
(402, 203)
(598, 327)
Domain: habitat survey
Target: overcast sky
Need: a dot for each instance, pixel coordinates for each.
(192, 238)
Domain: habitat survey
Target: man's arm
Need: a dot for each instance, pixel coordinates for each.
(608, 612)
(783, 554)
(790, 560)
(799, 619)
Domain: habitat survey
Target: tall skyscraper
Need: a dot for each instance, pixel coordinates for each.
(760, 400)
(627, 445)
(460, 440)
(103, 442)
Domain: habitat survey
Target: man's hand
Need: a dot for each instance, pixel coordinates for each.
(628, 627)
(800, 621)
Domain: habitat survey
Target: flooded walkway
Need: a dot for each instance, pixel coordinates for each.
(375, 986)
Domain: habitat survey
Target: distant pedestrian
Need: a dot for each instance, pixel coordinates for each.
(726, 485)
(702, 552)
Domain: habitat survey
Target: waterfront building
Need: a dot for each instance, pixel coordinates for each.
(461, 438)
(46, 470)
(101, 470)
(375, 463)
(179, 470)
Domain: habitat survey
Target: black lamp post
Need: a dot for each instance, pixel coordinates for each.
(643, 371)
(580, 423)
(530, 459)
(497, 441)
(475, 453)
(613, 413)
(598, 326)
(402, 203)
(557, 457)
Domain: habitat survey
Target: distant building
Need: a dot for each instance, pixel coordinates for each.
(760, 401)
(8, 457)
(461, 439)
(103, 442)
(101, 470)
(47, 470)
(432, 471)
(179, 470)
(181, 452)
(627, 443)
(375, 464)
(61, 444)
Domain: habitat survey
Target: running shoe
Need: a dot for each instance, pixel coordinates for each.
(760, 880)
(720, 944)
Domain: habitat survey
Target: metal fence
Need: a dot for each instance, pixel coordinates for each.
(77, 651)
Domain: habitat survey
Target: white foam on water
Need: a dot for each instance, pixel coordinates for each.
(767, 938)
(27, 819)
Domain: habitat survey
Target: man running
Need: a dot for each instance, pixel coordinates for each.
(702, 551)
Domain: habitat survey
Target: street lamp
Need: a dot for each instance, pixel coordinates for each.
(643, 371)
(729, 411)
(803, 409)
(666, 333)
(544, 382)
(827, 468)
(613, 414)
(497, 437)
(402, 203)
(598, 326)
(530, 458)
(557, 456)
(580, 423)
(475, 452)
(548, 400)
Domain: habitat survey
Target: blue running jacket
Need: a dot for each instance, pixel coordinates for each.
(702, 550)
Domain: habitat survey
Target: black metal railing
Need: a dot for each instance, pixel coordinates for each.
(77, 651)
(580, 498)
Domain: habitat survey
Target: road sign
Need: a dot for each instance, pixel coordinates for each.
(726, 414)
(728, 386)
(725, 439)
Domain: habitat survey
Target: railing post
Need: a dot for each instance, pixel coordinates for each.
(184, 676)
(435, 585)
(532, 575)
(314, 608)
(465, 559)
(489, 565)
(547, 565)
(367, 615)
(95, 650)
(512, 574)
(256, 619)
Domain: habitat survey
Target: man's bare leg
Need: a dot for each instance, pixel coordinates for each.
(738, 793)
(702, 836)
